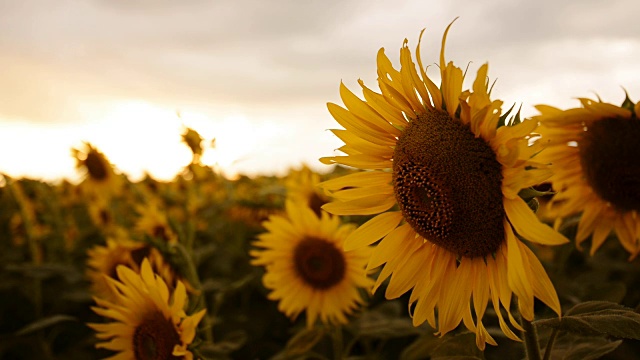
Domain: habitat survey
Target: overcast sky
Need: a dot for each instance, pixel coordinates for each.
(259, 73)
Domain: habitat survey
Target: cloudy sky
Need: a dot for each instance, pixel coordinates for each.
(256, 75)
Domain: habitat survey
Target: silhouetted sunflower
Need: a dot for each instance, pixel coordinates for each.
(306, 268)
(100, 178)
(444, 177)
(594, 152)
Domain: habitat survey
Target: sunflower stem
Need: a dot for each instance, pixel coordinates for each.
(530, 336)
(191, 274)
(552, 339)
(336, 336)
(34, 246)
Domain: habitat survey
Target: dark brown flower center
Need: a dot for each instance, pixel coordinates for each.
(113, 271)
(315, 203)
(448, 184)
(105, 217)
(140, 253)
(610, 158)
(137, 255)
(159, 231)
(319, 263)
(155, 338)
(96, 166)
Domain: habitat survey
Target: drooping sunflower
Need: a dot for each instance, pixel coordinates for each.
(194, 141)
(100, 178)
(302, 186)
(149, 322)
(306, 268)
(444, 179)
(103, 261)
(594, 153)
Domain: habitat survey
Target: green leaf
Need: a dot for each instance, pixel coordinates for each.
(231, 342)
(613, 291)
(594, 306)
(598, 317)
(384, 322)
(460, 346)
(385, 328)
(574, 347)
(44, 323)
(451, 347)
(304, 341)
(46, 271)
(421, 348)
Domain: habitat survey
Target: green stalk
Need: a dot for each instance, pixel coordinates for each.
(530, 336)
(191, 275)
(336, 336)
(552, 339)
(34, 246)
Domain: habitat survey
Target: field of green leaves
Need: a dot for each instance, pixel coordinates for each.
(60, 240)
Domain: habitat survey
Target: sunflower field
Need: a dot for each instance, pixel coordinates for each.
(446, 229)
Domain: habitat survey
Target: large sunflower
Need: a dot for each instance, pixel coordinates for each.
(147, 325)
(306, 268)
(594, 153)
(444, 179)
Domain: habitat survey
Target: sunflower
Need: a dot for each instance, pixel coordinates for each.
(594, 152)
(103, 261)
(153, 222)
(444, 179)
(302, 186)
(306, 268)
(100, 179)
(147, 325)
(194, 141)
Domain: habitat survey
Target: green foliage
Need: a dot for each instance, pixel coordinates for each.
(598, 318)
(45, 299)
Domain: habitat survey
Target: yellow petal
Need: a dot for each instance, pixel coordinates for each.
(434, 91)
(456, 291)
(359, 179)
(527, 225)
(370, 205)
(383, 107)
(365, 113)
(542, 287)
(358, 127)
(600, 233)
(357, 193)
(588, 221)
(517, 274)
(373, 230)
(407, 71)
(361, 145)
(406, 276)
(189, 326)
(359, 161)
(393, 244)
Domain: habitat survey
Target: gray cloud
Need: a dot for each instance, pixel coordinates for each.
(256, 53)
